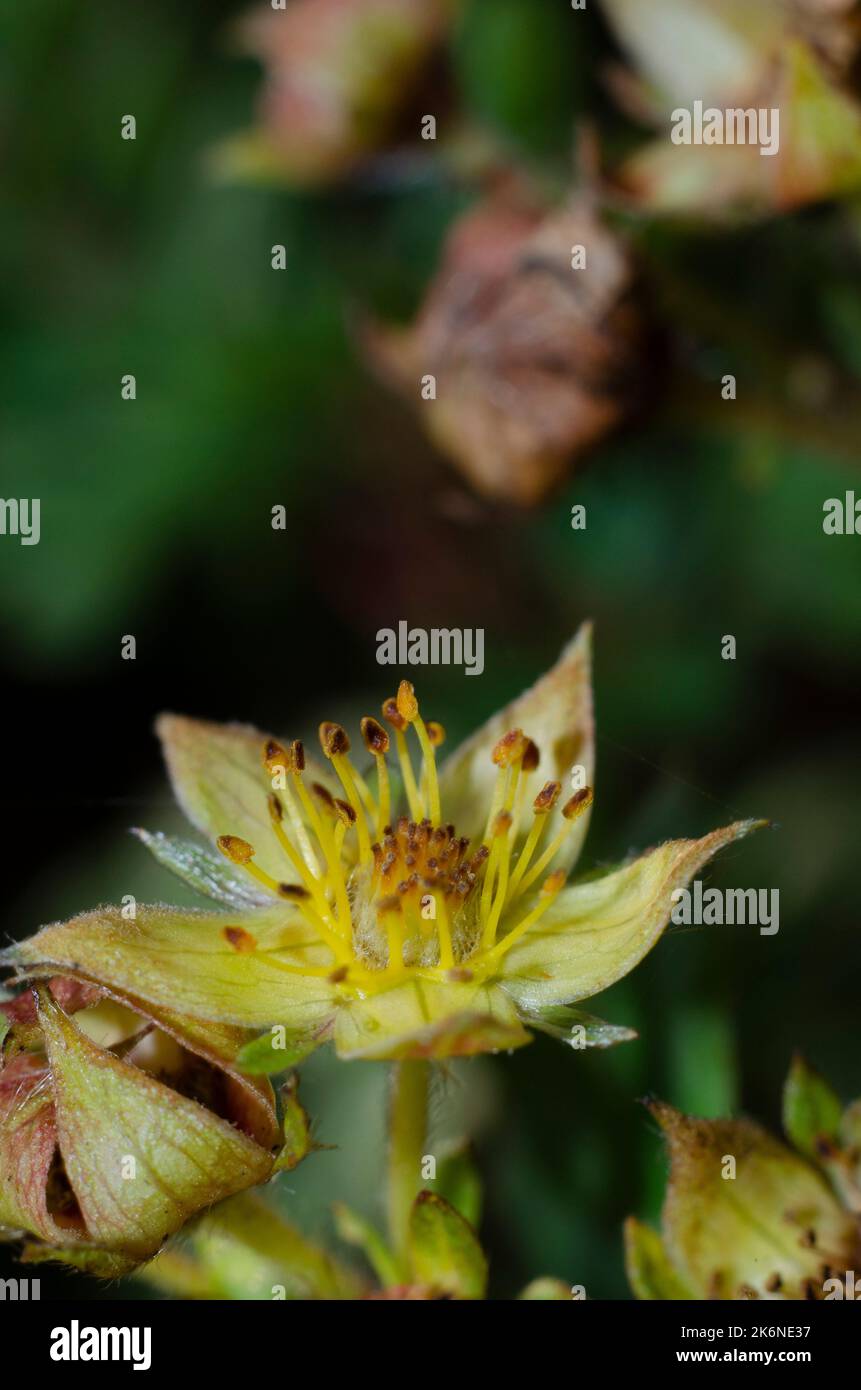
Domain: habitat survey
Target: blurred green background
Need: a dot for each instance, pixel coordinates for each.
(125, 257)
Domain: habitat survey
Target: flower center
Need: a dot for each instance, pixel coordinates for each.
(393, 900)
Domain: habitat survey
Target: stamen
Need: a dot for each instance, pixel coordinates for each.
(541, 806)
(446, 952)
(237, 851)
(390, 911)
(377, 743)
(572, 810)
(408, 709)
(392, 716)
(499, 830)
(549, 892)
(336, 746)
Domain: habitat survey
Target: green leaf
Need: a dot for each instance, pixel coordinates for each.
(275, 1051)
(444, 1251)
(650, 1273)
(458, 1181)
(296, 1128)
(811, 1109)
(355, 1230)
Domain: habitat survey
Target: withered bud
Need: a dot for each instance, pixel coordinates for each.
(578, 803)
(392, 715)
(297, 748)
(408, 705)
(344, 811)
(236, 850)
(375, 736)
(333, 739)
(547, 798)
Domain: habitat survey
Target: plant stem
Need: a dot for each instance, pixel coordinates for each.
(408, 1104)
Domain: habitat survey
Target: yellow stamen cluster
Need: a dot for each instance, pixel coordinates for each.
(408, 898)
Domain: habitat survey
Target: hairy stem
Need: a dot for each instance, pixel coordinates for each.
(408, 1104)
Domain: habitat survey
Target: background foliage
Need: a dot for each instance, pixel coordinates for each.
(703, 519)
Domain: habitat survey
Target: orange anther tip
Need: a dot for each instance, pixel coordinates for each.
(408, 705)
(238, 851)
(578, 803)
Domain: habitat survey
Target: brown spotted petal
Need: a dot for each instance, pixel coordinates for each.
(534, 360)
(745, 1217)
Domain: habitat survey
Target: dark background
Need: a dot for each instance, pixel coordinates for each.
(125, 257)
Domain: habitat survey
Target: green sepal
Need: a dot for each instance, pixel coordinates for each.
(812, 1110)
(444, 1251)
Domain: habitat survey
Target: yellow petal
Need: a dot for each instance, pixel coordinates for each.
(596, 932)
(424, 1019)
(140, 1158)
(557, 714)
(220, 782)
(184, 962)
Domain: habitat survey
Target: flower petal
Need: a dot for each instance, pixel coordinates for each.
(184, 962)
(557, 714)
(28, 1143)
(767, 1225)
(208, 873)
(424, 1019)
(218, 777)
(109, 1112)
(595, 932)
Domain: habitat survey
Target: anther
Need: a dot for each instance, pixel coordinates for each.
(297, 748)
(236, 850)
(407, 704)
(509, 748)
(275, 757)
(375, 736)
(531, 756)
(578, 803)
(436, 732)
(240, 939)
(392, 714)
(344, 811)
(547, 798)
(276, 810)
(334, 740)
(293, 890)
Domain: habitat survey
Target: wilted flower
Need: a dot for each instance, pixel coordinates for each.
(534, 346)
(338, 73)
(439, 932)
(788, 56)
(119, 1123)
(745, 1216)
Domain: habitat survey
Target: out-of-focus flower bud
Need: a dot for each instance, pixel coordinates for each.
(338, 74)
(778, 64)
(114, 1131)
(530, 341)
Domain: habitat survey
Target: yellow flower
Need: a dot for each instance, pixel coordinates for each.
(442, 931)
